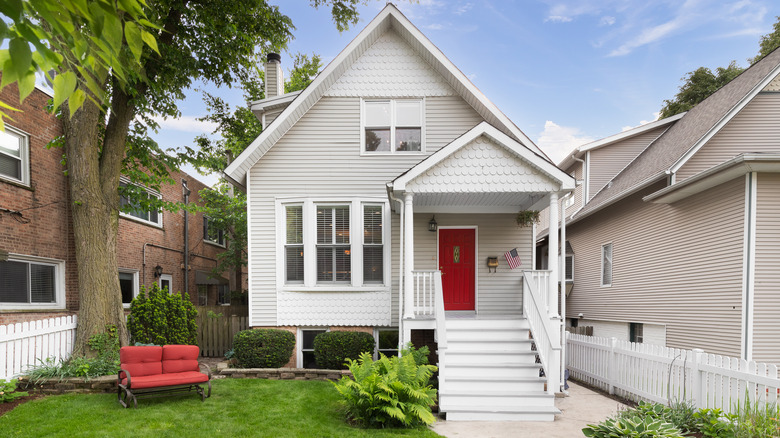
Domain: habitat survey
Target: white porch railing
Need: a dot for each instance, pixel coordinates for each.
(545, 330)
(25, 344)
(424, 293)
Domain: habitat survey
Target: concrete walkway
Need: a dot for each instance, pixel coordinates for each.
(581, 408)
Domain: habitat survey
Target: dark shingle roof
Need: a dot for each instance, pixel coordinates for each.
(652, 164)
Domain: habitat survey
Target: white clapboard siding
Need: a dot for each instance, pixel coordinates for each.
(676, 264)
(28, 343)
(660, 374)
(766, 304)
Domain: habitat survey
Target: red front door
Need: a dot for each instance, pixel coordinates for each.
(456, 262)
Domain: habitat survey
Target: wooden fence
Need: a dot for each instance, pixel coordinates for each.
(215, 333)
(26, 344)
(660, 374)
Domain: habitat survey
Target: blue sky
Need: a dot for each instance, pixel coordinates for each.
(566, 72)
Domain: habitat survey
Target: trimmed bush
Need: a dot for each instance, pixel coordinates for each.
(332, 349)
(263, 348)
(162, 318)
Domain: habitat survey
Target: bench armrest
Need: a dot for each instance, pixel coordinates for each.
(119, 377)
(208, 369)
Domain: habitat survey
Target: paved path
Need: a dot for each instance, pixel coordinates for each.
(581, 408)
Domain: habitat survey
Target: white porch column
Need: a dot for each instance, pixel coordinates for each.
(552, 257)
(408, 256)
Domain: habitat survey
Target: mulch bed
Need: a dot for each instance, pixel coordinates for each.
(7, 407)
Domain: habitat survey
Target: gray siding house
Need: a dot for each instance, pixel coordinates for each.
(376, 197)
(675, 229)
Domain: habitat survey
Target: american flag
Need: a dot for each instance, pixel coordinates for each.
(512, 258)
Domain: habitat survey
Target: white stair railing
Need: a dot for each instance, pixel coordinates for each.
(424, 301)
(441, 329)
(545, 329)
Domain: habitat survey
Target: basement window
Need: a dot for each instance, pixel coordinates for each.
(306, 357)
(636, 332)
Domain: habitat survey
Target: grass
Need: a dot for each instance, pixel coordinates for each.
(240, 407)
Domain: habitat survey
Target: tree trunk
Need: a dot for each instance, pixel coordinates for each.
(93, 175)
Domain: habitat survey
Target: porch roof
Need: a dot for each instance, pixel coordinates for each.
(482, 168)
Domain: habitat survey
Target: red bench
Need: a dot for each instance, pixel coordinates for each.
(156, 371)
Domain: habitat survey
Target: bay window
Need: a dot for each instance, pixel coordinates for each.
(334, 264)
(294, 244)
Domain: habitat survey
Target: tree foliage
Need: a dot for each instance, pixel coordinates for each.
(769, 42)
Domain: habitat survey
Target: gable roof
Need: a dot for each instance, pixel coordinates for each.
(565, 180)
(389, 18)
(675, 146)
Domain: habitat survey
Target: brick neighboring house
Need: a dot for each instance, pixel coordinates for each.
(38, 275)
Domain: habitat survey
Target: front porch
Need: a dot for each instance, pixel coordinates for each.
(457, 210)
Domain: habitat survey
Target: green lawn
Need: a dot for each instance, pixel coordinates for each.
(237, 408)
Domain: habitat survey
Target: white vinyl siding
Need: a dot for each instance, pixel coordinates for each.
(676, 264)
(766, 304)
(14, 156)
(755, 129)
(321, 157)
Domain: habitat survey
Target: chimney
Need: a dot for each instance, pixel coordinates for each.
(274, 77)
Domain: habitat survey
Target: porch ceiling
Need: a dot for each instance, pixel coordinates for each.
(507, 202)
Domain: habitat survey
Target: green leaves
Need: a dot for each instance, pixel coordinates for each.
(162, 318)
(64, 85)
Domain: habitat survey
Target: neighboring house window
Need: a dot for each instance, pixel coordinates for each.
(211, 233)
(128, 284)
(334, 263)
(223, 295)
(373, 248)
(606, 264)
(153, 217)
(166, 280)
(31, 282)
(636, 332)
(14, 156)
(393, 125)
(568, 201)
(293, 248)
(569, 268)
(387, 342)
(307, 347)
(203, 295)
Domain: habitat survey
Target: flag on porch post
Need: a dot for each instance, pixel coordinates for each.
(513, 258)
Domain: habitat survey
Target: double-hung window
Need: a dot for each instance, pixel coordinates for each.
(334, 261)
(373, 247)
(606, 264)
(393, 125)
(293, 247)
(31, 282)
(211, 233)
(133, 209)
(14, 156)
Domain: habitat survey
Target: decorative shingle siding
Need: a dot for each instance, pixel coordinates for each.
(774, 85)
(390, 68)
(334, 308)
(482, 166)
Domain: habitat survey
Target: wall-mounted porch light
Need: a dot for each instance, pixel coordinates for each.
(432, 225)
(157, 271)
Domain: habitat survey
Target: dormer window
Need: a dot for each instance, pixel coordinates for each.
(392, 126)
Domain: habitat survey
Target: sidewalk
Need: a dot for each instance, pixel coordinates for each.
(581, 408)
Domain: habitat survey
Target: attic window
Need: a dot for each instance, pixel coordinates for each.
(392, 126)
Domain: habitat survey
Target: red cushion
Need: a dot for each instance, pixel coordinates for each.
(170, 379)
(180, 358)
(141, 361)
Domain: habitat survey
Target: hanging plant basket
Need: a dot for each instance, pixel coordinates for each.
(527, 218)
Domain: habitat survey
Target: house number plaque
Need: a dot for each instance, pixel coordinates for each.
(456, 254)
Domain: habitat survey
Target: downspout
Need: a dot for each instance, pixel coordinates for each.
(400, 269)
(584, 178)
(186, 192)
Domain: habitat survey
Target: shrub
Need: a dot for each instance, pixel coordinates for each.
(389, 392)
(712, 423)
(162, 318)
(263, 348)
(332, 349)
(8, 392)
(633, 426)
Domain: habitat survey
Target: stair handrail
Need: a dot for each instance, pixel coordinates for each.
(441, 328)
(546, 337)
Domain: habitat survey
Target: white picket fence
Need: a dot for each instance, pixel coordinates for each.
(660, 374)
(27, 343)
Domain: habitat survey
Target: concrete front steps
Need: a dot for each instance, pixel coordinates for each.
(490, 374)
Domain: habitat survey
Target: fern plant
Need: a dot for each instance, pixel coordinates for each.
(389, 392)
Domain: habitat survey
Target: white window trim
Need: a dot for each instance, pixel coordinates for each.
(163, 277)
(212, 242)
(376, 339)
(299, 343)
(392, 151)
(59, 284)
(136, 283)
(572, 267)
(24, 155)
(158, 195)
(611, 267)
(310, 250)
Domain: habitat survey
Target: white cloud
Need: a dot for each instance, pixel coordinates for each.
(472, 76)
(462, 9)
(558, 18)
(607, 20)
(186, 124)
(435, 26)
(656, 115)
(649, 36)
(558, 141)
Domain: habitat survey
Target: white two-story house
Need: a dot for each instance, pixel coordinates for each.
(378, 197)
